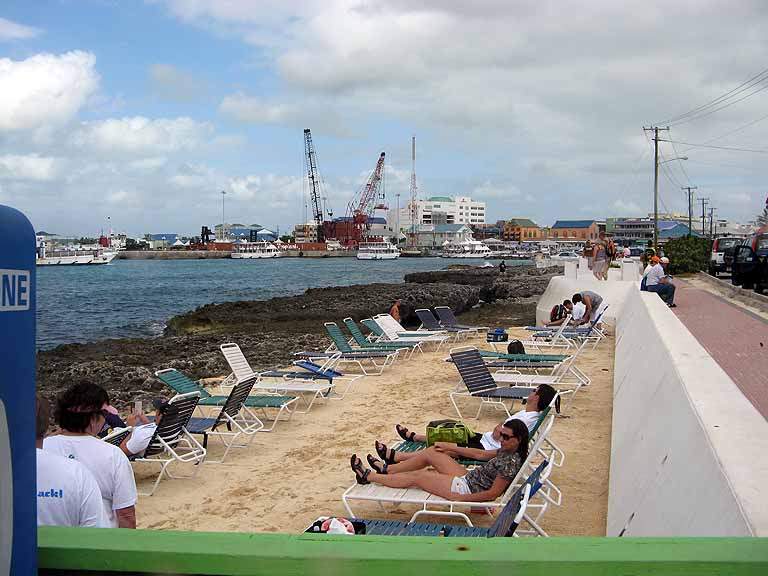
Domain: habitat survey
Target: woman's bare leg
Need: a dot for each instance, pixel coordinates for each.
(440, 461)
(428, 480)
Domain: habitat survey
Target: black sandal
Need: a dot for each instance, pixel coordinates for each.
(378, 466)
(405, 434)
(386, 454)
(361, 474)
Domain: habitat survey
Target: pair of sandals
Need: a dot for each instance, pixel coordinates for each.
(386, 454)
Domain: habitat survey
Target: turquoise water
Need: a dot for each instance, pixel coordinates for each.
(135, 298)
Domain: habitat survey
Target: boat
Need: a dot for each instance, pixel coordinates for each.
(377, 251)
(565, 256)
(77, 257)
(410, 252)
(255, 250)
(466, 249)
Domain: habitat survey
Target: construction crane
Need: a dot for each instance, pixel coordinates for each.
(363, 204)
(314, 184)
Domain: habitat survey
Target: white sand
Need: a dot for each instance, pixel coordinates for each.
(287, 478)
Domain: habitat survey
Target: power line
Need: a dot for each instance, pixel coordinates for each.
(717, 147)
(727, 105)
(680, 162)
(739, 129)
(740, 88)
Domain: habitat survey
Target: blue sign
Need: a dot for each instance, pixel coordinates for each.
(18, 507)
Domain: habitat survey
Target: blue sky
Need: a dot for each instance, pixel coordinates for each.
(145, 111)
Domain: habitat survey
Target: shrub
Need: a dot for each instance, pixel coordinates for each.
(688, 254)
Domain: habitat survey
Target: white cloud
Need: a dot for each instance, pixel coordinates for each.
(45, 90)
(625, 208)
(270, 190)
(174, 83)
(32, 167)
(488, 190)
(13, 31)
(140, 135)
(248, 109)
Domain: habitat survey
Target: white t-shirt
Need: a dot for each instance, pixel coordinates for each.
(489, 442)
(140, 437)
(579, 309)
(655, 274)
(528, 418)
(108, 464)
(67, 493)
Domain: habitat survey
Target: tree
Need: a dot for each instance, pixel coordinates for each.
(688, 254)
(762, 219)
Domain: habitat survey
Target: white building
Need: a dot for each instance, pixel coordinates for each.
(438, 210)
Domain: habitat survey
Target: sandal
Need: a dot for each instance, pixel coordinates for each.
(405, 434)
(386, 454)
(378, 466)
(361, 474)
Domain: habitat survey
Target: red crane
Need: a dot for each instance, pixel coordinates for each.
(363, 203)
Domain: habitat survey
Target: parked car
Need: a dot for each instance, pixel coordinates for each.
(750, 263)
(565, 256)
(721, 259)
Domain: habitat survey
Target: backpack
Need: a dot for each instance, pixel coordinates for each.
(515, 347)
(610, 249)
(558, 311)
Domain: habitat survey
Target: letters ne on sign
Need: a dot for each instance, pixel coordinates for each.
(14, 290)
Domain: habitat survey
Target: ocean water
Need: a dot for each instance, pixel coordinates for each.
(135, 298)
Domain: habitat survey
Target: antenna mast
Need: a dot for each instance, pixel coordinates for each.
(414, 211)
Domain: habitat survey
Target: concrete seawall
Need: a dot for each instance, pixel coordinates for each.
(689, 453)
(216, 254)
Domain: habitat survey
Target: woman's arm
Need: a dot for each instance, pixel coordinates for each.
(464, 452)
(497, 489)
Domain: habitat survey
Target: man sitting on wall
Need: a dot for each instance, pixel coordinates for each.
(657, 280)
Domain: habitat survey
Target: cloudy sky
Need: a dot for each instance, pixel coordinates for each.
(144, 112)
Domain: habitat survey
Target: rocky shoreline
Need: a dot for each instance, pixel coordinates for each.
(270, 331)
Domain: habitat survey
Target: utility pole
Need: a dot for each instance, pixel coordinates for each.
(690, 190)
(223, 235)
(711, 222)
(703, 215)
(655, 130)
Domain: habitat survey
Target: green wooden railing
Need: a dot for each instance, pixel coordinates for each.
(94, 551)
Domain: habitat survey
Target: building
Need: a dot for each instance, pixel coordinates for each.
(437, 210)
(640, 230)
(574, 230)
(433, 236)
(303, 233)
(161, 241)
(520, 230)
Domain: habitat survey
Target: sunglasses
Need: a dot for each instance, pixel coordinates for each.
(505, 436)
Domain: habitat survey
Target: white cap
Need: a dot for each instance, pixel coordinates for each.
(664, 260)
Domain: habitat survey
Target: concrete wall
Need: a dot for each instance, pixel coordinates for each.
(689, 453)
(577, 278)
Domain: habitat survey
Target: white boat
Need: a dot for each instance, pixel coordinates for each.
(73, 257)
(565, 256)
(255, 250)
(466, 249)
(377, 251)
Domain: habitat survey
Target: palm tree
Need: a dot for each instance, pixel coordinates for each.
(762, 219)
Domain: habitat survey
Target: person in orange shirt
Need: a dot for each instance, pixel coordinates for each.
(395, 310)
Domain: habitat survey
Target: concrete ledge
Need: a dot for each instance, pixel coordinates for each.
(689, 454)
(748, 297)
(614, 292)
(96, 551)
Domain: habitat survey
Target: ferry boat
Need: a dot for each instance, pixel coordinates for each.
(377, 251)
(466, 249)
(75, 257)
(255, 250)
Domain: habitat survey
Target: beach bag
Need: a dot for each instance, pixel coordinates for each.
(610, 250)
(644, 284)
(515, 347)
(557, 312)
(448, 431)
(498, 335)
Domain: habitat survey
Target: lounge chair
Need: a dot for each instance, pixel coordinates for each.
(429, 322)
(431, 504)
(117, 436)
(363, 343)
(309, 387)
(340, 344)
(489, 355)
(386, 328)
(172, 441)
(504, 526)
(401, 331)
(236, 421)
(480, 382)
(369, 363)
(181, 384)
(447, 318)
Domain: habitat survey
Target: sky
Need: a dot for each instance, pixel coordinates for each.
(137, 115)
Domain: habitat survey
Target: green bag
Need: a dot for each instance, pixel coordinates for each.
(448, 431)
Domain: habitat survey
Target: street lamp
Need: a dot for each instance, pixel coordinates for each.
(656, 197)
(397, 231)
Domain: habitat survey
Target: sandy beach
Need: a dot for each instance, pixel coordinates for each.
(287, 478)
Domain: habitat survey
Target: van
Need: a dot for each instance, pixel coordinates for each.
(750, 263)
(721, 258)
